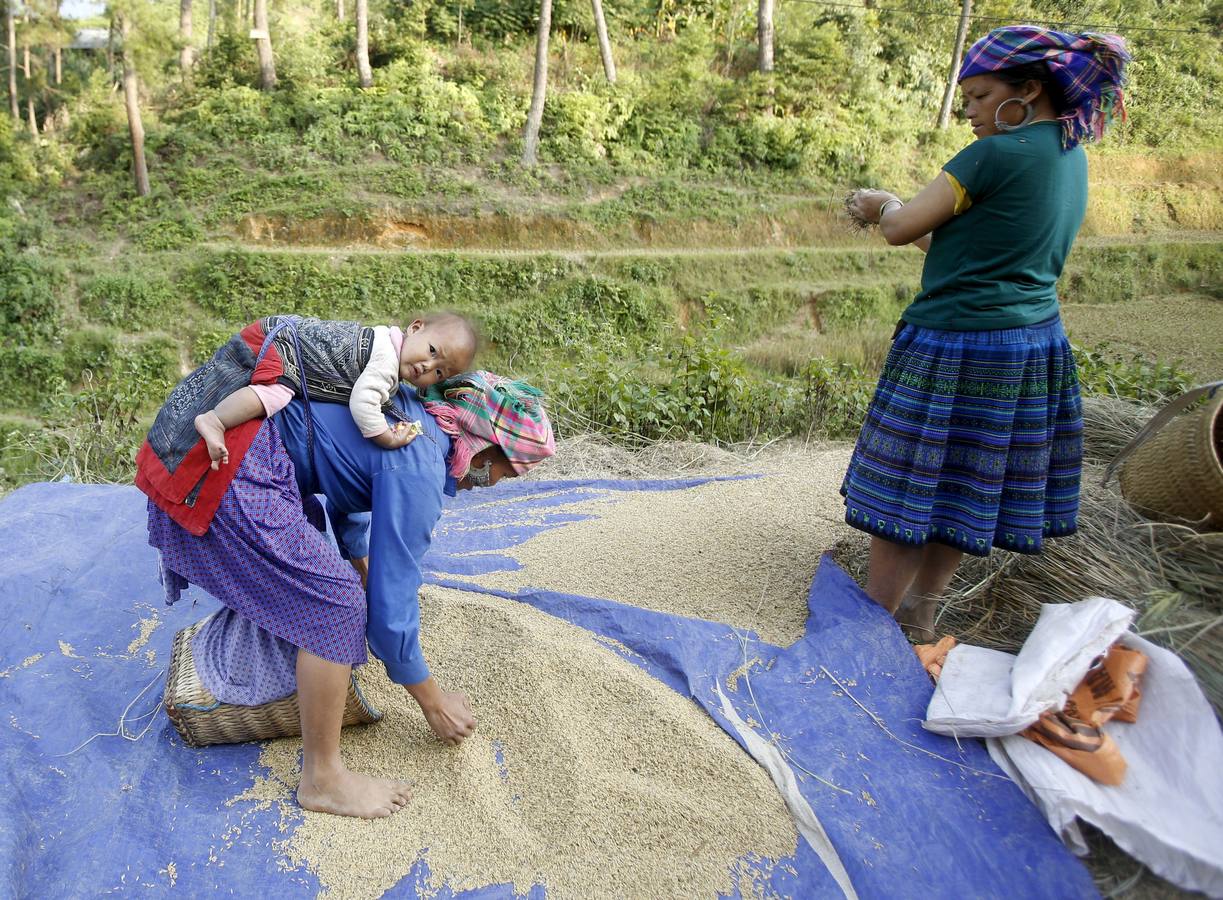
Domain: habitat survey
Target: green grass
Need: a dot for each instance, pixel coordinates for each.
(1184, 328)
(657, 342)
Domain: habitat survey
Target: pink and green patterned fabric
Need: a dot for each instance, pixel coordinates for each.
(479, 409)
(1089, 67)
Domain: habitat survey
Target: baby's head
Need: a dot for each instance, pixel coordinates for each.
(436, 347)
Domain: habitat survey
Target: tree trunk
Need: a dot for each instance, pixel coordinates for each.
(764, 35)
(56, 63)
(339, 10)
(12, 59)
(263, 46)
(536, 113)
(212, 22)
(944, 113)
(131, 101)
(186, 54)
(605, 48)
(363, 70)
(31, 120)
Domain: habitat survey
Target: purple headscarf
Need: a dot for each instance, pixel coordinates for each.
(1089, 67)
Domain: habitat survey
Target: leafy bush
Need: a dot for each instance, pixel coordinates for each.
(581, 125)
(1129, 377)
(854, 306)
(130, 300)
(29, 309)
(835, 396)
(698, 389)
(30, 378)
(233, 114)
(167, 234)
(1115, 274)
(88, 350)
(573, 313)
(17, 163)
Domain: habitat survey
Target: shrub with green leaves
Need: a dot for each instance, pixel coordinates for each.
(130, 299)
(29, 309)
(30, 378)
(1129, 376)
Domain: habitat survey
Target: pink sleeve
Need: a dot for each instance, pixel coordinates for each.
(274, 397)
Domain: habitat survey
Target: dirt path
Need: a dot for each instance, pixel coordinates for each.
(863, 243)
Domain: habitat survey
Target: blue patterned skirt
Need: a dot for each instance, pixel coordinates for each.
(973, 439)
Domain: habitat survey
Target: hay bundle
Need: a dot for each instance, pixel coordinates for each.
(1172, 574)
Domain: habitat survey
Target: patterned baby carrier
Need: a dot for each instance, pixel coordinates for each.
(333, 355)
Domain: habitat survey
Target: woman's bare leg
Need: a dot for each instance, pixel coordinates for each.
(916, 613)
(326, 785)
(892, 569)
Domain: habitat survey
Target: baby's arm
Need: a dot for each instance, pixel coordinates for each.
(241, 406)
(372, 390)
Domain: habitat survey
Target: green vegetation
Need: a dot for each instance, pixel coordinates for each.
(673, 267)
(641, 347)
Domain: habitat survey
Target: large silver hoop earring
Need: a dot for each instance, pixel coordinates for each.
(1029, 112)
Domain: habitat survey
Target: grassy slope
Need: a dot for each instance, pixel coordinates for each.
(146, 289)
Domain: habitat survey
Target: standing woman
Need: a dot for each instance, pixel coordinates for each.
(973, 439)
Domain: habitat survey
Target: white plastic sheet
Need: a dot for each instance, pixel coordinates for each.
(987, 693)
(1168, 812)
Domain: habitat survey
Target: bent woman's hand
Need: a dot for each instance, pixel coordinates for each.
(447, 712)
(451, 720)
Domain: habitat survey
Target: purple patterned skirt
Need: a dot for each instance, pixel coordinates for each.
(283, 582)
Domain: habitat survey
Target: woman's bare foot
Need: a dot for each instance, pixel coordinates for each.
(212, 430)
(346, 793)
(916, 619)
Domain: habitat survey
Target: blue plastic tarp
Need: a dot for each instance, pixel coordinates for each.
(909, 813)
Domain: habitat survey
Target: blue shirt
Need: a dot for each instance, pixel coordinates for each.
(382, 504)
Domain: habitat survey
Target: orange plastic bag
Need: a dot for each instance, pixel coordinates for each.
(1110, 690)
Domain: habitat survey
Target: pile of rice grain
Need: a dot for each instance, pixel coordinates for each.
(741, 552)
(585, 774)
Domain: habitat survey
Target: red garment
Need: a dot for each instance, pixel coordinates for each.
(169, 490)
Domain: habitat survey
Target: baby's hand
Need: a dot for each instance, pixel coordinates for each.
(405, 432)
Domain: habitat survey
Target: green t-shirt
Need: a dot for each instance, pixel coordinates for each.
(996, 263)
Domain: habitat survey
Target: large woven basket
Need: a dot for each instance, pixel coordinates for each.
(1177, 472)
(202, 719)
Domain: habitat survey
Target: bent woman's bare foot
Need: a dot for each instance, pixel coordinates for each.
(916, 619)
(346, 793)
(212, 430)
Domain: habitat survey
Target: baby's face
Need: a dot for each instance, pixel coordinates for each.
(432, 353)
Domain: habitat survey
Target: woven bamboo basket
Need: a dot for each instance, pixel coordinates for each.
(202, 719)
(1177, 473)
